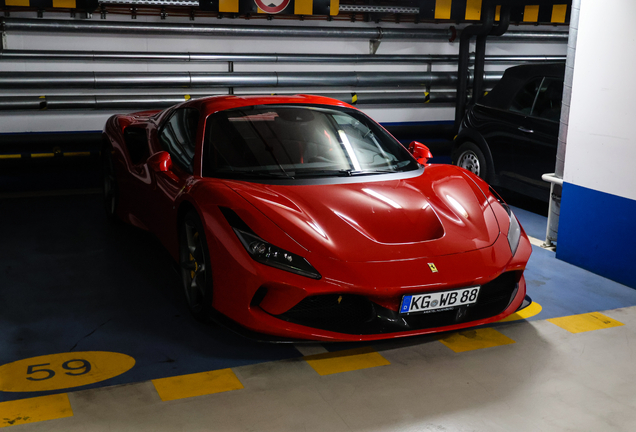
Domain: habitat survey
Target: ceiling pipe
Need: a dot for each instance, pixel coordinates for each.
(253, 31)
(488, 20)
(28, 80)
(145, 56)
(132, 102)
(482, 29)
(480, 50)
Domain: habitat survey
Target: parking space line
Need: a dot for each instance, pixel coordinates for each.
(196, 384)
(35, 409)
(346, 361)
(526, 313)
(469, 340)
(585, 322)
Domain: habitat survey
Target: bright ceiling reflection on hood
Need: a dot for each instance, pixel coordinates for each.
(457, 206)
(381, 197)
(317, 228)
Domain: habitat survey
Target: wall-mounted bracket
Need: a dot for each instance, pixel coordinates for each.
(374, 44)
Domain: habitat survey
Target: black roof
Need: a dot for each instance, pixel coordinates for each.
(515, 77)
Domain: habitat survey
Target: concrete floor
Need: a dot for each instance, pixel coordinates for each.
(59, 293)
(548, 380)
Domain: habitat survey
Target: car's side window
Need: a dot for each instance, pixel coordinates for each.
(137, 144)
(525, 98)
(548, 104)
(178, 136)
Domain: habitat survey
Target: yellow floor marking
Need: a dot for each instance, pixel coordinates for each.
(197, 384)
(62, 371)
(526, 313)
(585, 322)
(345, 361)
(469, 340)
(42, 155)
(35, 409)
(77, 154)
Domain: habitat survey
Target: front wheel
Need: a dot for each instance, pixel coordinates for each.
(470, 157)
(196, 272)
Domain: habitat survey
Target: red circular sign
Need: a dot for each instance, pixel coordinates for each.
(272, 6)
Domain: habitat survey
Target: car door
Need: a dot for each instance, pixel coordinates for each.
(536, 154)
(522, 138)
(177, 136)
(134, 181)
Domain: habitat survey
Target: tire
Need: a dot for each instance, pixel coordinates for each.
(111, 189)
(470, 157)
(196, 272)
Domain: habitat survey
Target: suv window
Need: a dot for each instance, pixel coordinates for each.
(524, 99)
(548, 104)
(178, 136)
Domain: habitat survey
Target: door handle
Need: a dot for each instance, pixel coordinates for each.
(522, 129)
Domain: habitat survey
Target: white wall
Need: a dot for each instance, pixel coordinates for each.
(601, 144)
(34, 121)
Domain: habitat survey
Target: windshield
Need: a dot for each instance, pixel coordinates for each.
(299, 141)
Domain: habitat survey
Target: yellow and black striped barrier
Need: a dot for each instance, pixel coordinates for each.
(49, 4)
(557, 12)
(531, 11)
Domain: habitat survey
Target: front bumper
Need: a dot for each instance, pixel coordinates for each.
(299, 308)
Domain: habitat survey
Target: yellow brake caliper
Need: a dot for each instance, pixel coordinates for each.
(196, 264)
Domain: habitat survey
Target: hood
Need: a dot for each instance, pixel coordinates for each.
(440, 212)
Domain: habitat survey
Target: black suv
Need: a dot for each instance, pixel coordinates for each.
(509, 138)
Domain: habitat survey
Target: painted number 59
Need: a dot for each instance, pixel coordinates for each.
(83, 366)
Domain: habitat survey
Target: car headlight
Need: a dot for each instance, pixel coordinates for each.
(268, 254)
(514, 232)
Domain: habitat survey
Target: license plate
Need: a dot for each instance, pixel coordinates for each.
(438, 301)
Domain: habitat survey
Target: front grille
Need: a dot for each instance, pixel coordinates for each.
(353, 314)
(331, 312)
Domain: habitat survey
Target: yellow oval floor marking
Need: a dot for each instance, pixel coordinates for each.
(61, 371)
(585, 322)
(35, 409)
(526, 313)
(346, 360)
(473, 339)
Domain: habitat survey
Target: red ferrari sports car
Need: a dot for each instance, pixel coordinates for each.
(299, 217)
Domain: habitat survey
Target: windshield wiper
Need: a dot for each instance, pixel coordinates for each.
(338, 173)
(367, 172)
(278, 175)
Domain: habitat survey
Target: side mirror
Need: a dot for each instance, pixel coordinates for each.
(160, 162)
(420, 152)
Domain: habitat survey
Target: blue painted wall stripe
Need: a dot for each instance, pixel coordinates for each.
(597, 231)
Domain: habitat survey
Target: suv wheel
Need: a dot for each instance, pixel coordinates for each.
(471, 157)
